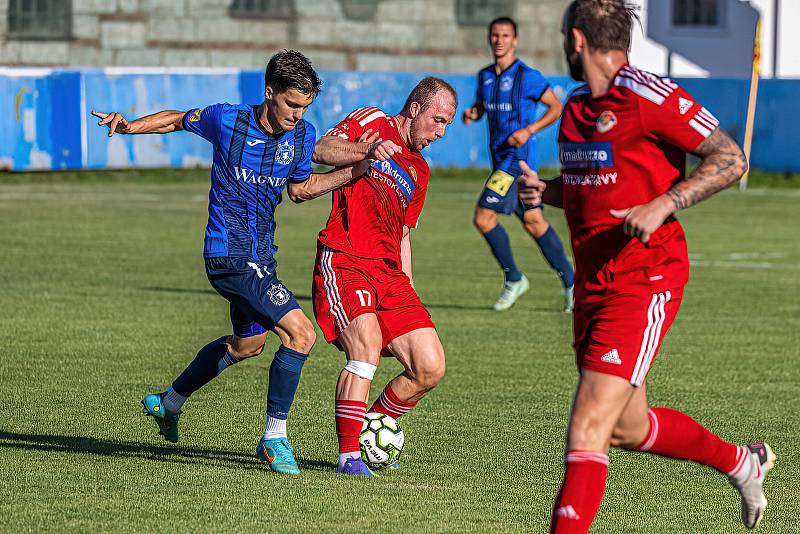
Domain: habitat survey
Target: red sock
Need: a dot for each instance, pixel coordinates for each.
(390, 404)
(349, 418)
(676, 435)
(581, 492)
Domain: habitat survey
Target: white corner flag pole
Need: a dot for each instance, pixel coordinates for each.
(751, 103)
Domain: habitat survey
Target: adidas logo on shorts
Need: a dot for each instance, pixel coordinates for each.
(611, 356)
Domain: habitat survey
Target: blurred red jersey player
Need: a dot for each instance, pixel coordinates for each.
(363, 293)
(622, 144)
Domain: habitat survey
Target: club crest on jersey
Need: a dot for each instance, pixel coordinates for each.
(285, 153)
(606, 121)
(278, 294)
(195, 116)
(684, 105)
(413, 172)
(506, 82)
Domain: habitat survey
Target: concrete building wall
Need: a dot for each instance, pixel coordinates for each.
(725, 51)
(403, 35)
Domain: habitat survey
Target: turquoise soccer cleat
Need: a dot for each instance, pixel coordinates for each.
(511, 292)
(167, 421)
(279, 454)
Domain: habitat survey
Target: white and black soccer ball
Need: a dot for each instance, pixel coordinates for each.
(381, 440)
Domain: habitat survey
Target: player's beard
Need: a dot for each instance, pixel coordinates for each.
(575, 66)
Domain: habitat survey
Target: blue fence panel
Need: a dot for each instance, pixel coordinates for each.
(45, 122)
(143, 93)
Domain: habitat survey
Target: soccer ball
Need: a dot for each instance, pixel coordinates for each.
(381, 440)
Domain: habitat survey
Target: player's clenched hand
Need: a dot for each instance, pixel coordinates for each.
(642, 220)
(470, 114)
(530, 186)
(115, 122)
(518, 138)
(383, 150)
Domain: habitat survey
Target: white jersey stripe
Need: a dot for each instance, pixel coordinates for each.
(358, 112)
(660, 316)
(338, 308)
(371, 117)
(651, 81)
(645, 83)
(705, 115)
(332, 293)
(640, 89)
(704, 121)
(363, 112)
(328, 291)
(702, 130)
(645, 338)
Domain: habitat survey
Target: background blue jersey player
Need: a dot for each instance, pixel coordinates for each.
(258, 150)
(508, 92)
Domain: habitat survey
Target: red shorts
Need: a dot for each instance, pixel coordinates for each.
(621, 335)
(346, 286)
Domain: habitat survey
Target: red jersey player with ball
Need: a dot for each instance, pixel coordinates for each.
(363, 293)
(623, 142)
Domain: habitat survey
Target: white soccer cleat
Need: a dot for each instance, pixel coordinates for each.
(569, 298)
(752, 488)
(511, 292)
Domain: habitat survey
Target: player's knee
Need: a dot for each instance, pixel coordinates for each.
(585, 433)
(303, 339)
(536, 227)
(622, 440)
(244, 350)
(428, 375)
(484, 222)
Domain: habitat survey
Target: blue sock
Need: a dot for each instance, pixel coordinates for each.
(284, 377)
(209, 362)
(501, 248)
(553, 251)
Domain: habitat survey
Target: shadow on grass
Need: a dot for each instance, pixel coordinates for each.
(129, 449)
(196, 291)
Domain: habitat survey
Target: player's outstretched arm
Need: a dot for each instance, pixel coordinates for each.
(320, 183)
(336, 152)
(723, 163)
(162, 122)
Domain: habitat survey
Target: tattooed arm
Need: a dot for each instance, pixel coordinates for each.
(723, 163)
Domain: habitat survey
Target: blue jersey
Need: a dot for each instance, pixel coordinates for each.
(250, 170)
(510, 99)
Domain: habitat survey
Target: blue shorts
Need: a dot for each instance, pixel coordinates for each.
(258, 298)
(500, 192)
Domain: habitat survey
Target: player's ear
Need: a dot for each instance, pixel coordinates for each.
(578, 40)
(268, 93)
(414, 109)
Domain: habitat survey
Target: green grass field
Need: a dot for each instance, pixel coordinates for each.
(104, 299)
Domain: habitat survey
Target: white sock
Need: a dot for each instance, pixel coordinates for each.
(276, 428)
(746, 467)
(173, 401)
(344, 456)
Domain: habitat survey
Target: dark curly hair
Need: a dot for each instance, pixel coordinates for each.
(289, 69)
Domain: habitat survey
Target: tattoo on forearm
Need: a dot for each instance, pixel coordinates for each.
(723, 163)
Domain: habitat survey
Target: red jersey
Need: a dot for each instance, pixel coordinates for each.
(617, 151)
(368, 214)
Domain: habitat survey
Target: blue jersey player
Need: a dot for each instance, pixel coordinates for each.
(508, 93)
(258, 151)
